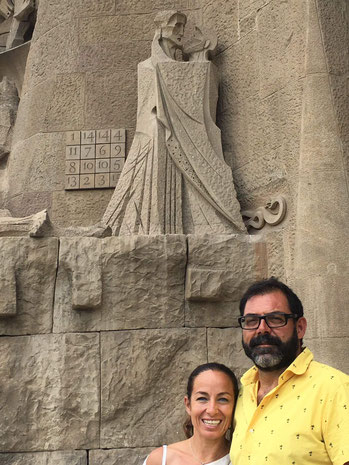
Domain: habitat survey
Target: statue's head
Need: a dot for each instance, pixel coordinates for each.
(170, 26)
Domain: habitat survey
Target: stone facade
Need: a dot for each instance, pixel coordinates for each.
(98, 334)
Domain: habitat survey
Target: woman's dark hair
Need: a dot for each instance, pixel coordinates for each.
(213, 366)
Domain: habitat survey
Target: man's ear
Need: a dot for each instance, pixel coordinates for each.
(301, 327)
(187, 405)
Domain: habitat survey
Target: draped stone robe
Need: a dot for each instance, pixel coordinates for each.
(175, 179)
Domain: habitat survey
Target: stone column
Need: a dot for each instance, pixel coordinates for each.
(321, 272)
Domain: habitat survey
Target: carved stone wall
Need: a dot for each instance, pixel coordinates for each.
(97, 336)
(100, 328)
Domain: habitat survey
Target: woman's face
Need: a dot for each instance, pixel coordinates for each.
(211, 404)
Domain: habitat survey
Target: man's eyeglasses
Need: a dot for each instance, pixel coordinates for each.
(273, 320)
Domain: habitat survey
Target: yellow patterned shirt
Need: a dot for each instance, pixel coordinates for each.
(303, 420)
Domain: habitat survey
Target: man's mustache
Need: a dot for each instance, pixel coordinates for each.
(265, 339)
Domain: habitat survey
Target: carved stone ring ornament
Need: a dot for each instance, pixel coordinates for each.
(273, 213)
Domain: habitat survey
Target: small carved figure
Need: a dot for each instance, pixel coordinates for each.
(175, 179)
(19, 20)
(273, 213)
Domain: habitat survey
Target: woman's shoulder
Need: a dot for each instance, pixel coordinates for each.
(155, 457)
(176, 453)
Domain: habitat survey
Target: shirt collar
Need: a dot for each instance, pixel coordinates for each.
(297, 367)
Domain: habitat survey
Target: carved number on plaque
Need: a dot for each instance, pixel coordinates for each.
(94, 158)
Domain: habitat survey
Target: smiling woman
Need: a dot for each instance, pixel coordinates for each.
(209, 402)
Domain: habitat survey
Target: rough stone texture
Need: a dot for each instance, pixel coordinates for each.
(331, 351)
(118, 456)
(224, 346)
(45, 458)
(8, 295)
(51, 399)
(284, 115)
(143, 377)
(79, 208)
(31, 273)
(58, 47)
(322, 243)
(220, 268)
(102, 94)
(142, 282)
(222, 17)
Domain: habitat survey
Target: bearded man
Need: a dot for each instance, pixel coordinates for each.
(291, 409)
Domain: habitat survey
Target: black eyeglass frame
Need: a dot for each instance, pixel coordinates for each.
(265, 318)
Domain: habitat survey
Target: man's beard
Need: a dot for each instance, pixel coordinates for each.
(279, 355)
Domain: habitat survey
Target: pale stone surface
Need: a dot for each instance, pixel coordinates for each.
(224, 346)
(220, 268)
(142, 282)
(113, 29)
(56, 50)
(322, 243)
(34, 103)
(45, 458)
(280, 42)
(222, 16)
(108, 105)
(29, 203)
(8, 111)
(33, 225)
(277, 250)
(144, 375)
(132, 456)
(319, 295)
(33, 263)
(51, 13)
(119, 56)
(78, 208)
(51, 399)
(146, 6)
(8, 295)
(331, 351)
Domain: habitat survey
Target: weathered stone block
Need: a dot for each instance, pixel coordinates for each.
(281, 42)
(79, 208)
(36, 172)
(220, 268)
(147, 6)
(45, 458)
(53, 53)
(121, 56)
(119, 456)
(222, 17)
(224, 346)
(30, 265)
(333, 19)
(33, 103)
(103, 93)
(29, 203)
(320, 295)
(143, 377)
(52, 13)
(331, 351)
(113, 29)
(51, 399)
(8, 295)
(142, 282)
